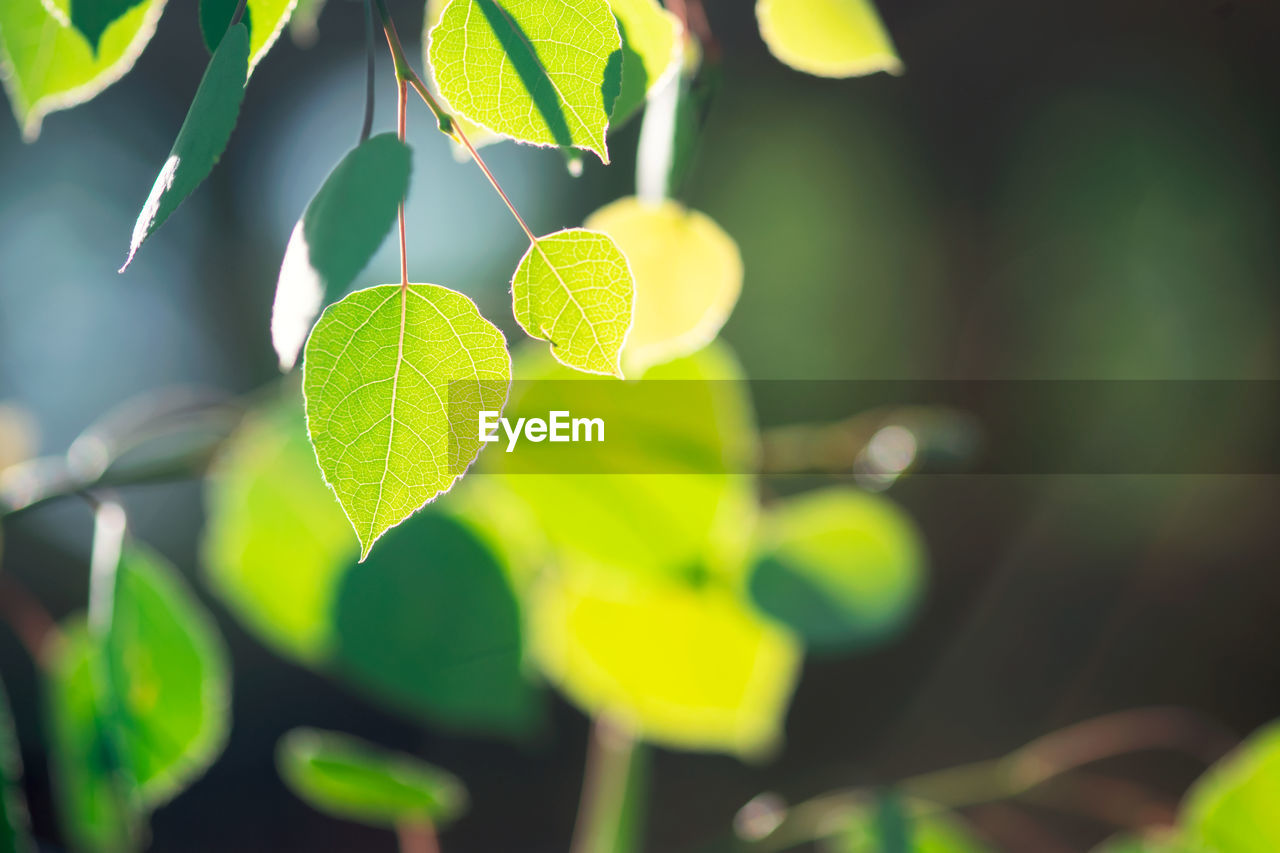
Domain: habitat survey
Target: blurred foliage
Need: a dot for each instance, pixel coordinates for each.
(13, 808)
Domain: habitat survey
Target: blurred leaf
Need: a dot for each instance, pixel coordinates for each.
(1233, 807)
(1155, 842)
(202, 138)
(685, 665)
(13, 808)
(430, 623)
(574, 288)
(264, 18)
(545, 72)
(96, 809)
(394, 380)
(931, 831)
(166, 673)
(841, 567)
(19, 435)
(277, 544)
(892, 826)
(47, 65)
(829, 38)
(342, 227)
(304, 23)
(352, 779)
(92, 17)
(688, 275)
(696, 419)
(652, 38)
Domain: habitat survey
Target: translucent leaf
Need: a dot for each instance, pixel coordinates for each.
(167, 678)
(546, 72)
(394, 381)
(686, 665)
(202, 138)
(352, 779)
(652, 40)
(430, 624)
(929, 831)
(841, 567)
(13, 808)
(97, 812)
(266, 19)
(92, 17)
(277, 544)
(574, 288)
(1232, 808)
(46, 64)
(342, 227)
(688, 275)
(829, 38)
(478, 136)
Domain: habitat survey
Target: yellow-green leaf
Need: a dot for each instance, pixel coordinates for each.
(352, 779)
(1232, 808)
(688, 274)
(266, 19)
(202, 138)
(47, 64)
(574, 288)
(652, 49)
(395, 378)
(546, 72)
(829, 38)
(689, 666)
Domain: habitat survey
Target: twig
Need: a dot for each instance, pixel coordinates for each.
(367, 127)
(417, 838)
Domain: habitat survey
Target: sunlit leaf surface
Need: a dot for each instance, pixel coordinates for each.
(1232, 808)
(651, 52)
(264, 18)
(830, 38)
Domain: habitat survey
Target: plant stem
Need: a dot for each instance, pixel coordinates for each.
(418, 838)
(367, 126)
(239, 13)
(31, 623)
(612, 792)
(402, 102)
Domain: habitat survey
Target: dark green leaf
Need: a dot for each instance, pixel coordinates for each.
(342, 227)
(13, 810)
(94, 803)
(355, 780)
(430, 622)
(92, 17)
(929, 830)
(166, 675)
(203, 137)
(215, 17)
(264, 18)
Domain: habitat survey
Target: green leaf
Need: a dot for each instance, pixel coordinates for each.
(13, 808)
(353, 779)
(930, 831)
(841, 567)
(92, 17)
(430, 623)
(829, 38)
(166, 674)
(688, 274)
(1232, 808)
(1153, 842)
(652, 49)
(96, 808)
(202, 138)
(574, 288)
(46, 64)
(304, 23)
(395, 378)
(266, 19)
(342, 227)
(277, 543)
(546, 72)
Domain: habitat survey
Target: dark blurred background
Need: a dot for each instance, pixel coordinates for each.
(1081, 190)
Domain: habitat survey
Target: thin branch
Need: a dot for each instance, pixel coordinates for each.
(402, 103)
(239, 13)
(606, 788)
(417, 838)
(367, 127)
(31, 623)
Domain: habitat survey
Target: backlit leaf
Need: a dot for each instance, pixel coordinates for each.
(46, 64)
(829, 38)
(202, 138)
(13, 808)
(688, 274)
(277, 544)
(1232, 808)
(96, 810)
(546, 72)
(574, 288)
(342, 227)
(652, 40)
(352, 779)
(685, 665)
(478, 136)
(394, 381)
(264, 18)
(842, 568)
(166, 673)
